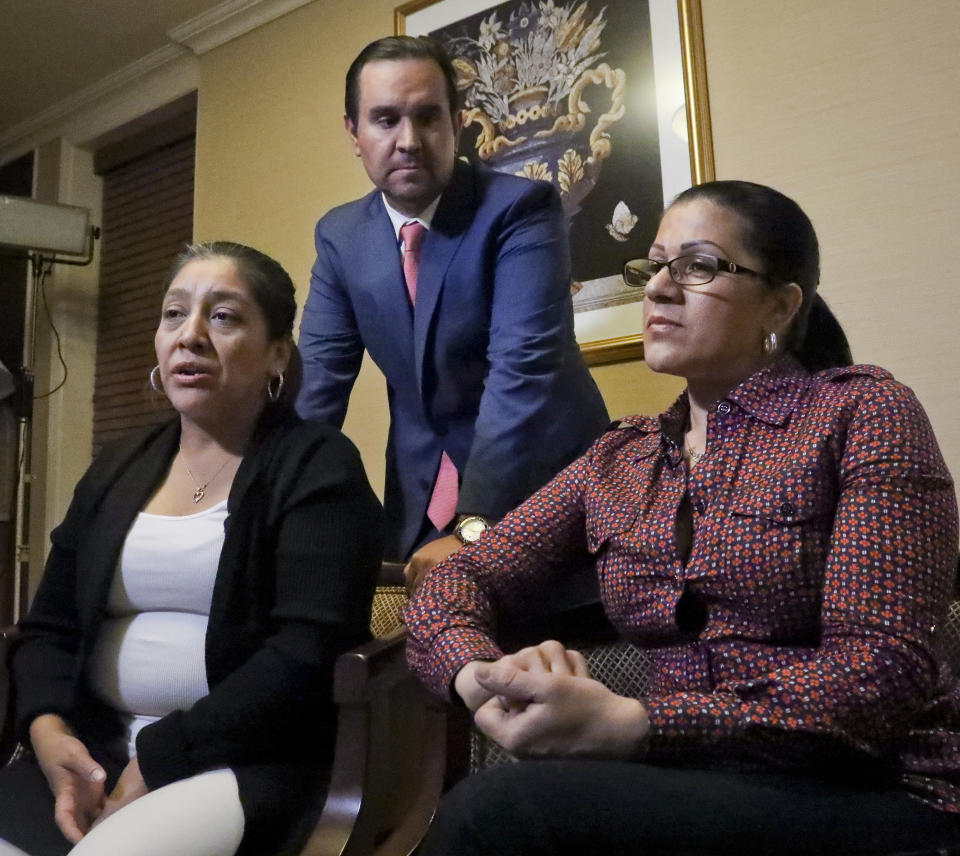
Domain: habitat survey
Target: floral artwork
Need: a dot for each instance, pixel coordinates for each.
(539, 47)
(622, 222)
(584, 94)
(555, 91)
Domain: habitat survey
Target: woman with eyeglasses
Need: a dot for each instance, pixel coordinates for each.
(783, 542)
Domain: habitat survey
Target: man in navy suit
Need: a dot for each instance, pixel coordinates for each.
(456, 279)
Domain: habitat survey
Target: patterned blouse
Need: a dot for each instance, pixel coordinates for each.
(798, 634)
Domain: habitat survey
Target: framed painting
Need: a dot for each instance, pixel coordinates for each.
(608, 100)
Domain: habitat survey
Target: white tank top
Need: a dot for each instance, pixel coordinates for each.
(148, 659)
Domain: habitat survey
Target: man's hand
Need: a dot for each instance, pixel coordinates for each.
(548, 714)
(75, 779)
(547, 657)
(129, 787)
(426, 557)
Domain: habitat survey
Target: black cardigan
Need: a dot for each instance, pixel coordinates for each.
(304, 537)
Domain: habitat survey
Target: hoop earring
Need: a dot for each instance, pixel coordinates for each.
(272, 395)
(770, 343)
(155, 383)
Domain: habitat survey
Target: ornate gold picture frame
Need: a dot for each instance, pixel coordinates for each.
(605, 98)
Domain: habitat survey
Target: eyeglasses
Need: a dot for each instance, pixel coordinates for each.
(697, 269)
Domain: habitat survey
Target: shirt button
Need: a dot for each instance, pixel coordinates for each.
(788, 509)
(699, 506)
(723, 408)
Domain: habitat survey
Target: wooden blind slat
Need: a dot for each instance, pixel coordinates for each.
(147, 219)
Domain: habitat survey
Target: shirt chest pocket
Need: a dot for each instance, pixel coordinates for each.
(609, 526)
(777, 533)
(794, 498)
(615, 500)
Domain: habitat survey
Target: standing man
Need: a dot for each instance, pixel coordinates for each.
(456, 279)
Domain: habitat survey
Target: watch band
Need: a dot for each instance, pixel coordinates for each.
(470, 527)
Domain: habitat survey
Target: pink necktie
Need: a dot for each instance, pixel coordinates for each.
(412, 235)
(443, 500)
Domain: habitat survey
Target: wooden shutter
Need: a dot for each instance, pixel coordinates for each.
(147, 220)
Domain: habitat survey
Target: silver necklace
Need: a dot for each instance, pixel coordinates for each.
(201, 489)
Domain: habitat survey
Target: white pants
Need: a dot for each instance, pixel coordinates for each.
(199, 816)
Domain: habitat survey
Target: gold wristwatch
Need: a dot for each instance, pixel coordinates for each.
(470, 527)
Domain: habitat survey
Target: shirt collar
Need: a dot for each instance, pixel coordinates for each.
(673, 422)
(770, 395)
(397, 219)
(774, 392)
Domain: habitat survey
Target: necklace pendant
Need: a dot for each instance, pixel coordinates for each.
(201, 489)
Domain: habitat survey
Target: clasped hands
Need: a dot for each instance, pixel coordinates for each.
(542, 702)
(77, 780)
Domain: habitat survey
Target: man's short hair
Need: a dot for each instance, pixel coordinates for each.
(399, 48)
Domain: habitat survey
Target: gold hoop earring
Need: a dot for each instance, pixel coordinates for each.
(274, 395)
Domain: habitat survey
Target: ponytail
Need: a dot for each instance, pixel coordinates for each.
(822, 344)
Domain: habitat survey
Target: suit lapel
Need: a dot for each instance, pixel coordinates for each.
(447, 229)
(382, 241)
(377, 238)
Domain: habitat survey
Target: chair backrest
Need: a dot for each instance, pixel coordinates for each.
(388, 601)
(948, 635)
(387, 613)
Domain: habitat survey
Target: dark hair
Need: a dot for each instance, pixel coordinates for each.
(270, 286)
(398, 48)
(778, 232)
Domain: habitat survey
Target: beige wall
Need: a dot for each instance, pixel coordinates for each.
(852, 107)
(849, 106)
(272, 155)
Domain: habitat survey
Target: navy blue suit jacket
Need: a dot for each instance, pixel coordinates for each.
(485, 368)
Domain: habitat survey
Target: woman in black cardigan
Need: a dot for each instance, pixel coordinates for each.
(290, 589)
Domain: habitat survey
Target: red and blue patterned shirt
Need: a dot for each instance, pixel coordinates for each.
(799, 631)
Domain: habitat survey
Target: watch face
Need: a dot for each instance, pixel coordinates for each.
(472, 528)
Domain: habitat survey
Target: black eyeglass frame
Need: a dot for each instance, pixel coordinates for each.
(724, 265)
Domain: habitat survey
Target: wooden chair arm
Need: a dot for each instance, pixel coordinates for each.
(389, 759)
(8, 639)
(371, 669)
(391, 574)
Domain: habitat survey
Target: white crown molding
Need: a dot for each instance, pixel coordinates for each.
(228, 20)
(137, 88)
